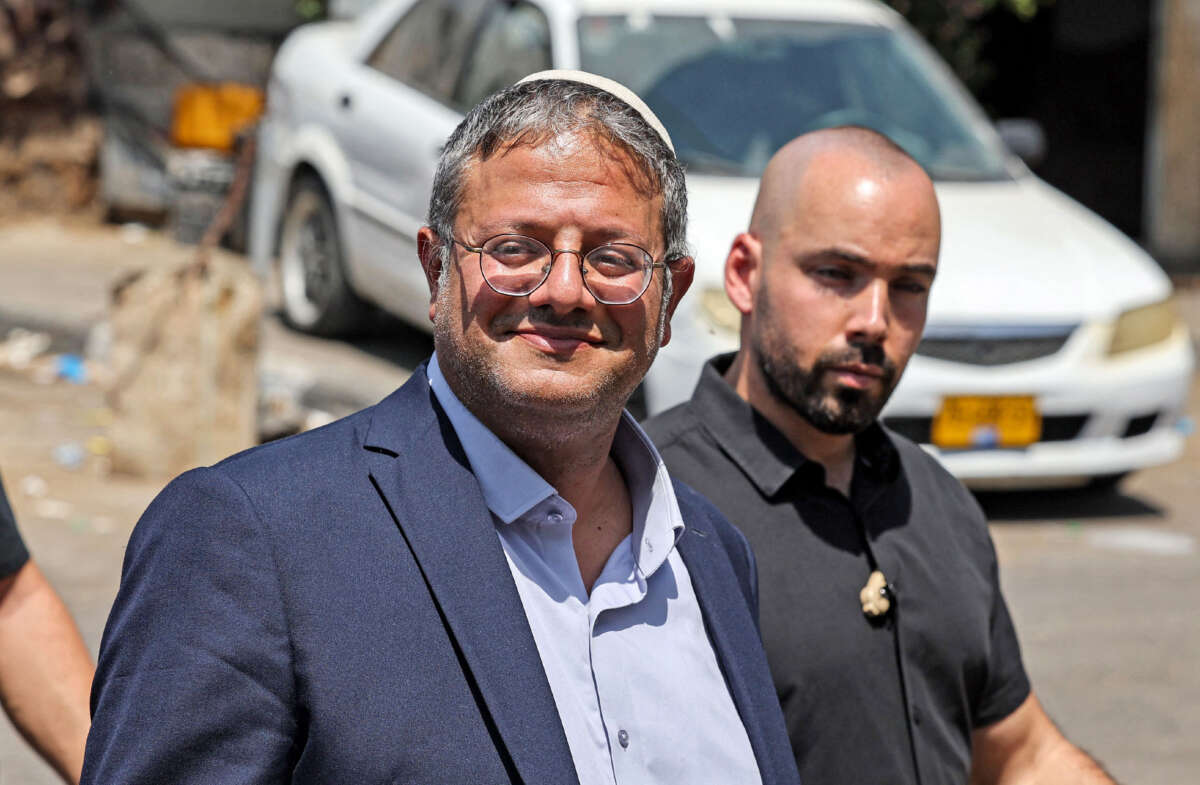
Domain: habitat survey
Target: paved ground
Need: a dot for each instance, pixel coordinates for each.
(1103, 591)
(1103, 587)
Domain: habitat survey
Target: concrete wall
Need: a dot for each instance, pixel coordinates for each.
(1173, 149)
(250, 17)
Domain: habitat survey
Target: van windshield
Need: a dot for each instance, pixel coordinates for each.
(733, 91)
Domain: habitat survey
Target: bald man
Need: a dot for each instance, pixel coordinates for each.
(890, 643)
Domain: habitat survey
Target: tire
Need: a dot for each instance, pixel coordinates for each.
(315, 294)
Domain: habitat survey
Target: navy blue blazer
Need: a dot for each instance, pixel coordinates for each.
(336, 608)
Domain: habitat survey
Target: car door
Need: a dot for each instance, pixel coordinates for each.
(512, 42)
(395, 112)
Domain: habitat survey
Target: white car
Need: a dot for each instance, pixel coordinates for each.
(1052, 355)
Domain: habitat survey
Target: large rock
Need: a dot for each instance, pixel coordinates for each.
(181, 366)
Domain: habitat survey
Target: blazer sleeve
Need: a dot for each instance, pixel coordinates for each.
(195, 682)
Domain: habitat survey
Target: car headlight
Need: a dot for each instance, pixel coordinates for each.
(1138, 328)
(718, 311)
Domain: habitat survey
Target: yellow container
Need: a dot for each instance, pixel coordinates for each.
(211, 115)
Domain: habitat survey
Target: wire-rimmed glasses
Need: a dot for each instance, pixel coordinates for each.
(516, 265)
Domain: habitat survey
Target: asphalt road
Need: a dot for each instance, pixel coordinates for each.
(1103, 587)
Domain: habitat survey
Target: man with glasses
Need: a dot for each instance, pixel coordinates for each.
(489, 576)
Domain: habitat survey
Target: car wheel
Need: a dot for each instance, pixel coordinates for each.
(316, 296)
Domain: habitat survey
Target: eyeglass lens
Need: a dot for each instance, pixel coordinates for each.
(615, 274)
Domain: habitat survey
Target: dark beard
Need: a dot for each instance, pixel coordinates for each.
(834, 410)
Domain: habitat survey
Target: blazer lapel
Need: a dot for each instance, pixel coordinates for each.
(417, 465)
(737, 645)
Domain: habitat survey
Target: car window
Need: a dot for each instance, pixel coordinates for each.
(427, 47)
(514, 42)
(732, 91)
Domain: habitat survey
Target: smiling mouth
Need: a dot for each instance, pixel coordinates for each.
(556, 340)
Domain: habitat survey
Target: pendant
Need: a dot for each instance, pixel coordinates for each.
(875, 596)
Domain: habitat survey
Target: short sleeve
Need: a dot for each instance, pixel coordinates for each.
(13, 554)
(1007, 684)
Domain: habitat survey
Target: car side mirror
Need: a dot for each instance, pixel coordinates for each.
(1024, 137)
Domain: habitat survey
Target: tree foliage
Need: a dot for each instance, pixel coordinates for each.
(311, 10)
(957, 29)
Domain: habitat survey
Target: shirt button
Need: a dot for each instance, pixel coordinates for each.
(555, 517)
(916, 715)
(623, 737)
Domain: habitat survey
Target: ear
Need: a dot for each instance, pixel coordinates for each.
(682, 271)
(743, 271)
(429, 251)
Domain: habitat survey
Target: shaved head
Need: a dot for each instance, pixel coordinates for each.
(784, 178)
(833, 277)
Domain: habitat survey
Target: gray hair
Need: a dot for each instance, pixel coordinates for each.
(532, 112)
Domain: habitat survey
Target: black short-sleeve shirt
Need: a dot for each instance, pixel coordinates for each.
(866, 702)
(12, 550)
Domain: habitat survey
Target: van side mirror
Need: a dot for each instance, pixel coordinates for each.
(1024, 137)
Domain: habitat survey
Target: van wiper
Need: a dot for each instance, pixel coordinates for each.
(707, 163)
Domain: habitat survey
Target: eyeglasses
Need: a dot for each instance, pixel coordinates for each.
(516, 265)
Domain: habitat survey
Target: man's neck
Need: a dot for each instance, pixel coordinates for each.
(574, 465)
(835, 452)
(586, 476)
(567, 448)
(573, 455)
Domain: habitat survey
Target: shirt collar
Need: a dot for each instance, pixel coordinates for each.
(762, 452)
(511, 488)
(657, 522)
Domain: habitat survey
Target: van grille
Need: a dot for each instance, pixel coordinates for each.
(994, 346)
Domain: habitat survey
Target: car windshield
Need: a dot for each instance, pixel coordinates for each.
(733, 91)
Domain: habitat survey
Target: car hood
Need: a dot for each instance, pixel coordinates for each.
(1012, 252)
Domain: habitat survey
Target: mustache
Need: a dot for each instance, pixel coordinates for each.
(545, 316)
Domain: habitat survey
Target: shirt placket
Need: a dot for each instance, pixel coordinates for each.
(617, 587)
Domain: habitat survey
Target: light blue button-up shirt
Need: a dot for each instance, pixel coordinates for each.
(634, 677)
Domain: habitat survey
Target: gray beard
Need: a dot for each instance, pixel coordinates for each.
(485, 388)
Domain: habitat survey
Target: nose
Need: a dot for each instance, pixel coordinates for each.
(870, 313)
(563, 289)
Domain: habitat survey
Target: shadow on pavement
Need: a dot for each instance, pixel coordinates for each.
(1070, 504)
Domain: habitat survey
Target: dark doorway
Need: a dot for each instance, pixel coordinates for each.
(1082, 69)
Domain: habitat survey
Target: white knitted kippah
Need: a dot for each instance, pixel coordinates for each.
(613, 88)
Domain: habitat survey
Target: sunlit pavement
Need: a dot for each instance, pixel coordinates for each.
(1104, 587)
(1104, 591)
